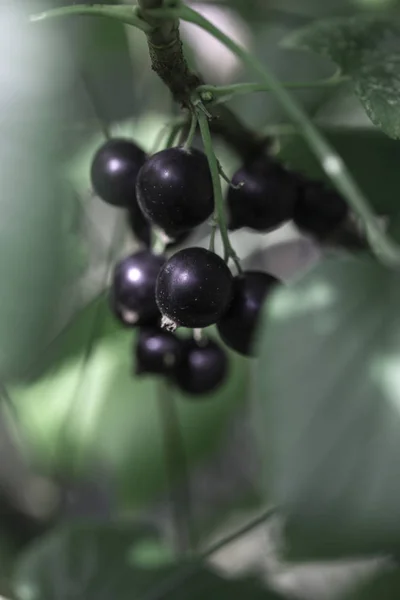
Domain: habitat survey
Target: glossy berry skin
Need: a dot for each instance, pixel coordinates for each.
(203, 368)
(193, 288)
(157, 351)
(265, 200)
(114, 170)
(174, 189)
(238, 325)
(319, 210)
(132, 294)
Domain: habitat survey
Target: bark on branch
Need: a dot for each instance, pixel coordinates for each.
(168, 61)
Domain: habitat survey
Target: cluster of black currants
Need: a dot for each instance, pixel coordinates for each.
(171, 193)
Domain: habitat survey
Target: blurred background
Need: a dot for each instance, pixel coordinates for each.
(79, 434)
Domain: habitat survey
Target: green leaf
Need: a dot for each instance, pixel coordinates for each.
(367, 49)
(371, 157)
(104, 71)
(35, 207)
(385, 586)
(94, 561)
(328, 394)
(75, 410)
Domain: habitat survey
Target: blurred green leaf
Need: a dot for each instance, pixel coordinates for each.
(101, 51)
(95, 561)
(77, 410)
(35, 206)
(367, 49)
(385, 586)
(328, 394)
(371, 157)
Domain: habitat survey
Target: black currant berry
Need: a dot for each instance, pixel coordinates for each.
(265, 199)
(114, 170)
(193, 288)
(319, 210)
(203, 368)
(174, 189)
(132, 296)
(157, 351)
(237, 326)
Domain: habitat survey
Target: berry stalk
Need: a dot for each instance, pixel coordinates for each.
(220, 216)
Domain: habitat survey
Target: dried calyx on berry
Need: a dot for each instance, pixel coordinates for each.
(262, 196)
(319, 210)
(132, 294)
(114, 170)
(238, 325)
(157, 351)
(203, 368)
(174, 189)
(193, 289)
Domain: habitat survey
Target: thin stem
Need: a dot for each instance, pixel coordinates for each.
(175, 457)
(218, 198)
(175, 130)
(330, 160)
(192, 131)
(127, 14)
(180, 577)
(212, 237)
(216, 94)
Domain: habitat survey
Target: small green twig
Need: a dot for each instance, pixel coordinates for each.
(127, 14)
(178, 578)
(212, 236)
(216, 94)
(220, 216)
(175, 457)
(192, 131)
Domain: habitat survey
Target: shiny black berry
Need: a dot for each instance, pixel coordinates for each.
(203, 368)
(114, 170)
(238, 325)
(261, 197)
(319, 210)
(132, 294)
(193, 288)
(174, 189)
(157, 351)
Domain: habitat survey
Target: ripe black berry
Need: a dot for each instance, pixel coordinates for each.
(193, 288)
(203, 367)
(174, 189)
(318, 209)
(265, 199)
(132, 294)
(114, 171)
(237, 327)
(157, 351)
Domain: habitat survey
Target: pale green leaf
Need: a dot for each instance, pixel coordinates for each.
(328, 394)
